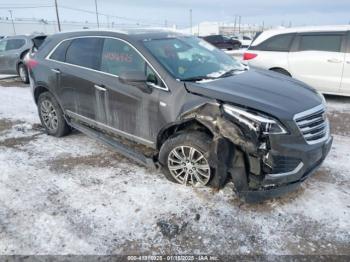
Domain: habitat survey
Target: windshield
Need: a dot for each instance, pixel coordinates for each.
(191, 58)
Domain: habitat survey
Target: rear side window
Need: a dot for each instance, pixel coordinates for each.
(118, 57)
(278, 43)
(330, 43)
(85, 52)
(38, 41)
(13, 44)
(60, 52)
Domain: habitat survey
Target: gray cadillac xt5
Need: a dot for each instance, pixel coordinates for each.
(177, 103)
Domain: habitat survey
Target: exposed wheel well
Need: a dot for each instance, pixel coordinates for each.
(39, 90)
(189, 125)
(280, 70)
(21, 58)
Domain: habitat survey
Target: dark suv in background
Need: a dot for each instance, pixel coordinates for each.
(12, 52)
(223, 42)
(203, 117)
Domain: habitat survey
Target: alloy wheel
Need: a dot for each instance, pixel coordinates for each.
(49, 115)
(189, 166)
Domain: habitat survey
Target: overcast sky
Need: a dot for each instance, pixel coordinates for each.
(156, 12)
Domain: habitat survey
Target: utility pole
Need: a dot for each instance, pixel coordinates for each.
(234, 27)
(13, 23)
(191, 21)
(58, 17)
(107, 21)
(98, 22)
(239, 24)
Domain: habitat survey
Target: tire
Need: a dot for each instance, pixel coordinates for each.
(236, 46)
(23, 73)
(281, 71)
(51, 116)
(199, 173)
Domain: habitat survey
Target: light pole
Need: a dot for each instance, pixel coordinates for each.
(58, 17)
(13, 23)
(98, 22)
(191, 21)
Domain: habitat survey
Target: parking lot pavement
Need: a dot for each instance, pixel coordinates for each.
(74, 196)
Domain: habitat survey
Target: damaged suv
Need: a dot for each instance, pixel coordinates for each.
(203, 117)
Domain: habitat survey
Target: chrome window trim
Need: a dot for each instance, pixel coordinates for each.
(108, 128)
(166, 88)
(308, 112)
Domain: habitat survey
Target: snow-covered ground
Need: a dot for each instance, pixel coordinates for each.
(74, 196)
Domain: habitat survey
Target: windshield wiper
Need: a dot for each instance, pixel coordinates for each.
(197, 78)
(231, 72)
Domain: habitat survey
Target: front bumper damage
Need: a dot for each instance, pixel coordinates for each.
(260, 166)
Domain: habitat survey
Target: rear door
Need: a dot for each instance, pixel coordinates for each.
(345, 85)
(74, 70)
(318, 60)
(273, 52)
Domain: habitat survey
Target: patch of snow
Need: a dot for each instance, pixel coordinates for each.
(72, 195)
(18, 104)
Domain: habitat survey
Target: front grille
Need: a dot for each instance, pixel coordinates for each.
(313, 124)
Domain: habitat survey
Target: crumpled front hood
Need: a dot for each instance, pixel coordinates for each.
(266, 91)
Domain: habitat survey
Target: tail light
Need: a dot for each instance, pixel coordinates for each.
(249, 56)
(31, 63)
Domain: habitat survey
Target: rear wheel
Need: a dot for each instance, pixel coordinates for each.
(51, 115)
(185, 159)
(23, 73)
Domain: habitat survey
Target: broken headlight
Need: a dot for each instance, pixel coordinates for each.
(255, 120)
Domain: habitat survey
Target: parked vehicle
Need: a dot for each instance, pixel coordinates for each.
(223, 42)
(12, 52)
(204, 117)
(318, 56)
(245, 40)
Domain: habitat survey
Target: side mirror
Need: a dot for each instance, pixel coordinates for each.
(137, 79)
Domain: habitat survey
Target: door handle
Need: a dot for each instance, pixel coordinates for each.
(348, 62)
(334, 60)
(57, 71)
(100, 88)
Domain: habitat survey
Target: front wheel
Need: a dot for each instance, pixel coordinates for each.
(185, 159)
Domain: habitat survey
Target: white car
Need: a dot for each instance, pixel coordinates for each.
(318, 56)
(245, 40)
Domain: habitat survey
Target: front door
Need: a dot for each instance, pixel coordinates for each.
(3, 44)
(129, 110)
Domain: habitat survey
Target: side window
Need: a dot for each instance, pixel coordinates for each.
(13, 44)
(118, 57)
(218, 38)
(60, 52)
(330, 43)
(279, 43)
(3, 45)
(84, 52)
